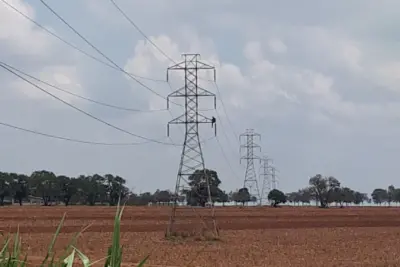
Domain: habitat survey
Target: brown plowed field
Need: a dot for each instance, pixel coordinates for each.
(287, 236)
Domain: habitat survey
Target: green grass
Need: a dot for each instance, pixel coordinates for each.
(12, 256)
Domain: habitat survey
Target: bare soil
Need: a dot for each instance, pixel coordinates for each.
(254, 236)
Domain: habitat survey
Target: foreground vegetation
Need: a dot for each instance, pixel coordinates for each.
(12, 256)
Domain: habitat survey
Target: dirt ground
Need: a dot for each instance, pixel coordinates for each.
(254, 236)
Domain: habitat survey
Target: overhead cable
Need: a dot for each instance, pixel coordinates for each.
(5, 66)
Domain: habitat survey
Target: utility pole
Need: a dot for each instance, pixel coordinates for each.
(250, 177)
(192, 159)
(265, 176)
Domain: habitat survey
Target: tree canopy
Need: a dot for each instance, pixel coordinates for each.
(276, 197)
(107, 189)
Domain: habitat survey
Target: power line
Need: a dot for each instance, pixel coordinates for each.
(69, 139)
(140, 31)
(226, 159)
(78, 140)
(173, 61)
(72, 45)
(226, 113)
(101, 53)
(82, 97)
(147, 38)
(86, 54)
(144, 34)
(228, 140)
(5, 66)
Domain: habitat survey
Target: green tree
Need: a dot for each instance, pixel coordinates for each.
(359, 197)
(391, 194)
(243, 195)
(305, 195)
(163, 196)
(5, 187)
(68, 188)
(341, 195)
(45, 185)
(222, 197)
(198, 193)
(92, 188)
(276, 197)
(115, 188)
(322, 188)
(20, 187)
(380, 196)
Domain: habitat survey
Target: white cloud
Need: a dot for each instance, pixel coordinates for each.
(277, 46)
(23, 38)
(18, 35)
(64, 77)
(301, 80)
(253, 51)
(389, 75)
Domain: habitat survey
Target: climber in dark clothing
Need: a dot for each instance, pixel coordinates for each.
(213, 120)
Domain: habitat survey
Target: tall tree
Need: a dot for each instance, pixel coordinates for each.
(380, 196)
(243, 196)
(115, 188)
(323, 187)
(391, 194)
(68, 188)
(198, 193)
(45, 184)
(276, 197)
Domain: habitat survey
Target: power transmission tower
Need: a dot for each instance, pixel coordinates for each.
(192, 159)
(274, 182)
(265, 176)
(250, 177)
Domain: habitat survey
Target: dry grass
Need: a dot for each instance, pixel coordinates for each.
(250, 237)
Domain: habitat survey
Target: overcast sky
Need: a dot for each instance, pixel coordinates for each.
(319, 80)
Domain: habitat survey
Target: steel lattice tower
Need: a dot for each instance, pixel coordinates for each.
(192, 156)
(265, 176)
(274, 182)
(250, 178)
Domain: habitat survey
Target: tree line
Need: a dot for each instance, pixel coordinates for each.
(326, 190)
(109, 189)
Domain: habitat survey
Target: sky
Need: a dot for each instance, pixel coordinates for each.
(319, 80)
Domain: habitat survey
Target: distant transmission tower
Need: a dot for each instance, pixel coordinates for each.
(274, 182)
(250, 178)
(192, 156)
(265, 176)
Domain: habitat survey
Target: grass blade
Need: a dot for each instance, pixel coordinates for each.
(69, 261)
(85, 260)
(141, 264)
(72, 244)
(53, 241)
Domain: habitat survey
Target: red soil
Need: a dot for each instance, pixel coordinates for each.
(249, 236)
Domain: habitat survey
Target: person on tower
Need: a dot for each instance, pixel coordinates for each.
(213, 120)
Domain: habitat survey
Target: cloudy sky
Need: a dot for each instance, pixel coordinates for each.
(319, 80)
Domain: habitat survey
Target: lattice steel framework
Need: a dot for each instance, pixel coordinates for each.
(250, 177)
(265, 176)
(192, 155)
(274, 181)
